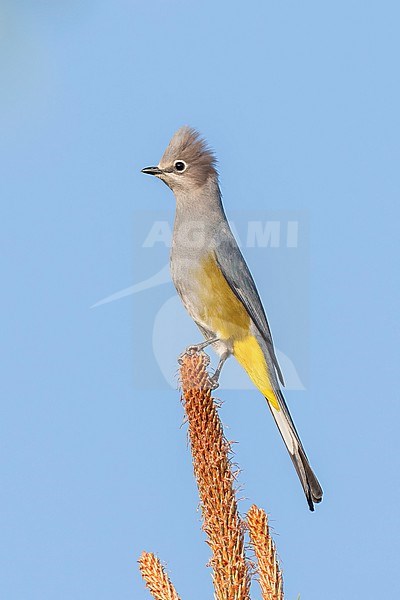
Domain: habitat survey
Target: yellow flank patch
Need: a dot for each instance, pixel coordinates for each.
(226, 316)
(249, 354)
(220, 308)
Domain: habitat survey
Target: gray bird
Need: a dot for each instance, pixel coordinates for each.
(217, 288)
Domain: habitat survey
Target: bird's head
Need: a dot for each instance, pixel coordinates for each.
(187, 163)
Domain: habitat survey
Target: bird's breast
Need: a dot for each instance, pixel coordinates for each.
(209, 298)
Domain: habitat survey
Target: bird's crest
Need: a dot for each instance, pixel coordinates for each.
(188, 145)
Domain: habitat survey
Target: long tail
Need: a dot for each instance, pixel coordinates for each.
(308, 480)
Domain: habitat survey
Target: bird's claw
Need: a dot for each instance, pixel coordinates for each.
(214, 383)
(193, 349)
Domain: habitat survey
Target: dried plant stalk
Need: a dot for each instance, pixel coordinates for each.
(270, 576)
(156, 578)
(215, 481)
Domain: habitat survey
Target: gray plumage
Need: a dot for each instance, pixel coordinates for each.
(202, 233)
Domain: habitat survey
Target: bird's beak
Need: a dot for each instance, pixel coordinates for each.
(152, 171)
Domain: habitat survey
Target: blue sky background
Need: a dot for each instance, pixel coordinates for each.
(300, 101)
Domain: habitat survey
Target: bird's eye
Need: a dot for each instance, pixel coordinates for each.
(180, 166)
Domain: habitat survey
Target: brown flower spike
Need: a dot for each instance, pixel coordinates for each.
(215, 481)
(156, 578)
(222, 524)
(270, 576)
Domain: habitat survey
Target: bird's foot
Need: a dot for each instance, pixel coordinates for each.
(191, 351)
(214, 383)
(195, 349)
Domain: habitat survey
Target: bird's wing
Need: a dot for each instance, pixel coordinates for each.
(237, 274)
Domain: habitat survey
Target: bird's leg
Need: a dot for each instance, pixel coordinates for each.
(214, 379)
(199, 347)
